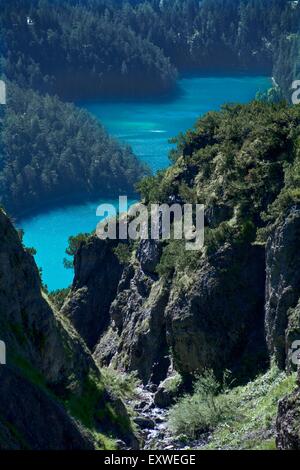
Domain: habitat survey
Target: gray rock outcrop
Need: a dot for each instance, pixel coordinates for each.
(282, 283)
(217, 321)
(97, 275)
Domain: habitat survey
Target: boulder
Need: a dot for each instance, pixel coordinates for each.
(144, 423)
(168, 391)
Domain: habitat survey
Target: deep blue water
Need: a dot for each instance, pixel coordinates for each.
(147, 127)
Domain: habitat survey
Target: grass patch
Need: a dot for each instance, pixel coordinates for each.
(88, 407)
(238, 418)
(30, 373)
(84, 405)
(251, 426)
(95, 413)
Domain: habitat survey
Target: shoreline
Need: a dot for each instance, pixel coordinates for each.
(78, 199)
(62, 201)
(176, 91)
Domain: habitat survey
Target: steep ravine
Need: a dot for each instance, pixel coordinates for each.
(140, 335)
(233, 305)
(156, 310)
(153, 423)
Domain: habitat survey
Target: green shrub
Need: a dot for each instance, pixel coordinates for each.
(172, 384)
(74, 244)
(203, 410)
(176, 257)
(251, 425)
(123, 253)
(122, 385)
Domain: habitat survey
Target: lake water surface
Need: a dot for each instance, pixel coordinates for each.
(147, 127)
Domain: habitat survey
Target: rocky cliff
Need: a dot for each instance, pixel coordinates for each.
(191, 325)
(97, 275)
(283, 286)
(283, 319)
(52, 392)
(232, 305)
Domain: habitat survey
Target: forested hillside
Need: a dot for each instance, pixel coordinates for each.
(76, 48)
(199, 344)
(78, 51)
(52, 151)
(287, 62)
(79, 48)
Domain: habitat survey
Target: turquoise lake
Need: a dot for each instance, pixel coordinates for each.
(146, 126)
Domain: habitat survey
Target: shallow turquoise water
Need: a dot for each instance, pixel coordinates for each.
(146, 126)
(48, 233)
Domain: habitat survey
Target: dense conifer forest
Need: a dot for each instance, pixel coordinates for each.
(79, 48)
(54, 152)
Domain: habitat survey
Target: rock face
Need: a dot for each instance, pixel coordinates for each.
(28, 324)
(214, 321)
(292, 338)
(215, 214)
(148, 254)
(97, 275)
(136, 339)
(288, 421)
(283, 319)
(217, 321)
(282, 283)
(48, 365)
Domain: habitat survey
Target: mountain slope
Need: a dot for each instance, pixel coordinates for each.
(53, 151)
(53, 395)
(232, 305)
